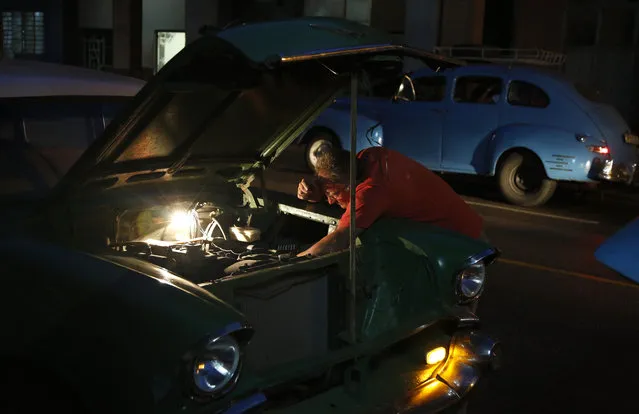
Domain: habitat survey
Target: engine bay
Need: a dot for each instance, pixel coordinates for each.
(204, 242)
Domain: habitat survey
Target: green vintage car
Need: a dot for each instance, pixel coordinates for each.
(161, 276)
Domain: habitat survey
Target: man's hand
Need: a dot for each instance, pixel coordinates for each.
(309, 191)
(307, 252)
(332, 242)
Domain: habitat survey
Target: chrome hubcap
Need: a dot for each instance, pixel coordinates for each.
(527, 179)
(318, 147)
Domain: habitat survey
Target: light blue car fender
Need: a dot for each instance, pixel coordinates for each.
(336, 119)
(563, 157)
(620, 252)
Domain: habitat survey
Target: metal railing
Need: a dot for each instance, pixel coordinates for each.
(538, 57)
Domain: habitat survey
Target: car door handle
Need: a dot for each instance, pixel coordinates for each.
(439, 111)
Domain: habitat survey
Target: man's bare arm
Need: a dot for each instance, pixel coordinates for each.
(332, 242)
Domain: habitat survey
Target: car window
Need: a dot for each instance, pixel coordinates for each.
(41, 138)
(60, 129)
(11, 178)
(385, 75)
(364, 87)
(111, 109)
(478, 89)
(379, 87)
(23, 172)
(522, 93)
(379, 80)
(430, 88)
(386, 87)
(58, 124)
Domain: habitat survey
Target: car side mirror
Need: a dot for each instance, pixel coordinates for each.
(400, 99)
(405, 91)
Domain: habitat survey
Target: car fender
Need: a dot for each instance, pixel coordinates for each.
(412, 269)
(336, 119)
(79, 310)
(619, 251)
(562, 156)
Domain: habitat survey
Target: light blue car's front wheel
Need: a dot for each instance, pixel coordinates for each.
(523, 180)
(317, 142)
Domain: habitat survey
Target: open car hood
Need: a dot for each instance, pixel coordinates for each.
(619, 252)
(229, 103)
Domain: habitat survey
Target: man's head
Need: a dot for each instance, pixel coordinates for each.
(332, 165)
(332, 170)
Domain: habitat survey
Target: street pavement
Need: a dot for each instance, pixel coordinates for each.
(569, 326)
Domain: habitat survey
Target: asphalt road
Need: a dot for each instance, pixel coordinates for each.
(569, 326)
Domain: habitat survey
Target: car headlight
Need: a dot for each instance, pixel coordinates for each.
(378, 137)
(470, 281)
(218, 366)
(375, 135)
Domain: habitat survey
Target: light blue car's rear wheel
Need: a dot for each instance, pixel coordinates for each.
(523, 181)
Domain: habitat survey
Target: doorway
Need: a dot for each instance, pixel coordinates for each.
(498, 23)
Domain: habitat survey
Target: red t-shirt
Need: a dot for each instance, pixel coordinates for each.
(397, 186)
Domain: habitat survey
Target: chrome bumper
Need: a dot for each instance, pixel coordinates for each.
(470, 354)
(608, 170)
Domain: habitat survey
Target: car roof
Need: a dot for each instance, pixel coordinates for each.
(524, 72)
(24, 78)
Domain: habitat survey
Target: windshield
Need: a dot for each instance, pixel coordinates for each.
(41, 138)
(24, 175)
(380, 77)
(231, 111)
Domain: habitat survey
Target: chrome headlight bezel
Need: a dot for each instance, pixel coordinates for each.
(470, 280)
(227, 346)
(216, 368)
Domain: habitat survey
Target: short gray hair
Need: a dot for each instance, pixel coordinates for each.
(333, 163)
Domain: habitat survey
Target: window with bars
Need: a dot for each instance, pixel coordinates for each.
(23, 33)
(97, 48)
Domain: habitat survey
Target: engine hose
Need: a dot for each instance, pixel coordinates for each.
(208, 234)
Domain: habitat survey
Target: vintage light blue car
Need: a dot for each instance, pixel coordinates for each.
(528, 127)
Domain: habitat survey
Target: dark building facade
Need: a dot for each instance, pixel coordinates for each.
(40, 29)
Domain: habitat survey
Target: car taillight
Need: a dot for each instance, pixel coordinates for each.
(599, 149)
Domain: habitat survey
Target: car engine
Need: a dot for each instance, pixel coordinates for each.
(206, 243)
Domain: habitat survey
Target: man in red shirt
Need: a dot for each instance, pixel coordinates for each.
(389, 184)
